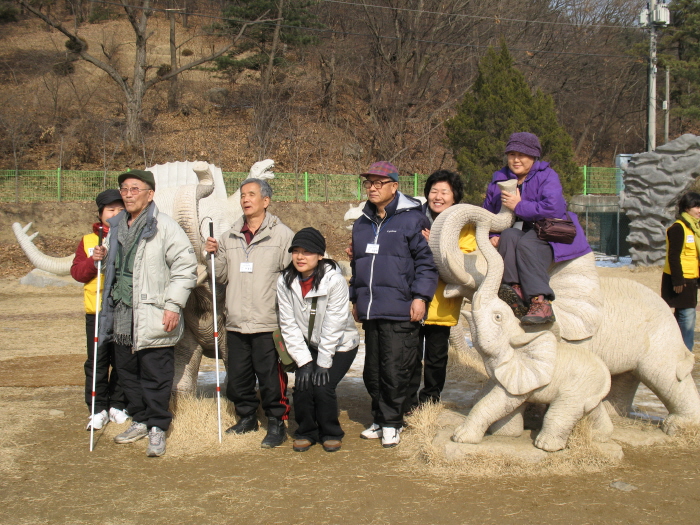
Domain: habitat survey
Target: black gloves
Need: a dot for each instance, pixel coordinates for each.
(303, 377)
(321, 377)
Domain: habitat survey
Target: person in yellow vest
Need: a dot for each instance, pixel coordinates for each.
(442, 189)
(110, 401)
(679, 282)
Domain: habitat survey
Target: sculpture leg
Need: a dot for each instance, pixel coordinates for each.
(495, 404)
(188, 354)
(559, 421)
(510, 426)
(601, 425)
(619, 400)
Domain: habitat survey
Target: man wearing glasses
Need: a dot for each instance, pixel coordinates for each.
(393, 277)
(150, 271)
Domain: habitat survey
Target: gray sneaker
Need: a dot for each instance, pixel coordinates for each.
(135, 432)
(156, 442)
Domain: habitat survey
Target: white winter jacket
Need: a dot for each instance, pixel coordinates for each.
(334, 327)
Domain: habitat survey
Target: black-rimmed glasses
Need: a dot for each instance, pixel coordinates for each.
(379, 184)
(133, 191)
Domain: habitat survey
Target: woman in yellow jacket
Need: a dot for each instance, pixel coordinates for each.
(442, 189)
(679, 282)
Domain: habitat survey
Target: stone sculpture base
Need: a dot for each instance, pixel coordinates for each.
(42, 279)
(522, 448)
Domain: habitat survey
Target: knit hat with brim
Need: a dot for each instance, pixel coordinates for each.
(526, 143)
(310, 239)
(142, 175)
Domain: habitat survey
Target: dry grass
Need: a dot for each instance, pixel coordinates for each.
(463, 366)
(581, 454)
(194, 429)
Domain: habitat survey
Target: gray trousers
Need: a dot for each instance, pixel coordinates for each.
(526, 259)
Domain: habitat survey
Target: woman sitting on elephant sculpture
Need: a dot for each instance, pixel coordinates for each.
(527, 258)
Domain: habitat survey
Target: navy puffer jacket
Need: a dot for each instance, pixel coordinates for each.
(384, 284)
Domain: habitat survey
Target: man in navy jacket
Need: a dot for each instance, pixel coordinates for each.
(393, 277)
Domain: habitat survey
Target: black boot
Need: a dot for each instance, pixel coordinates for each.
(245, 424)
(276, 433)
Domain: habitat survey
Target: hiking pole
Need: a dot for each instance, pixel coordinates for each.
(216, 334)
(94, 355)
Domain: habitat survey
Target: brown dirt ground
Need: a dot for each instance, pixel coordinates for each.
(49, 476)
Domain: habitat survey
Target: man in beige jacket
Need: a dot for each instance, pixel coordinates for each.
(249, 258)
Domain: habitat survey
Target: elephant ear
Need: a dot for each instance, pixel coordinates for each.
(530, 364)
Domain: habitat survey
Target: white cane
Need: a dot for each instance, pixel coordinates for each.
(216, 334)
(94, 354)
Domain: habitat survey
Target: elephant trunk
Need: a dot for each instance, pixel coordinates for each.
(465, 271)
(186, 205)
(55, 265)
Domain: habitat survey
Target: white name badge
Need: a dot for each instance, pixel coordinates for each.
(690, 239)
(90, 251)
(372, 248)
(246, 267)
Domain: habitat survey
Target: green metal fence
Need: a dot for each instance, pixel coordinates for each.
(69, 185)
(601, 181)
(72, 185)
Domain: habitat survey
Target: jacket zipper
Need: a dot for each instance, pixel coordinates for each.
(371, 271)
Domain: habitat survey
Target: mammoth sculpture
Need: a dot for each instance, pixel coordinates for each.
(194, 194)
(624, 323)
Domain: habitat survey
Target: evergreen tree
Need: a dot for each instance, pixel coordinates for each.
(679, 48)
(293, 17)
(499, 104)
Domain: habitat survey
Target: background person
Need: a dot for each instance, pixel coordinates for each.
(393, 277)
(679, 281)
(527, 258)
(442, 189)
(309, 283)
(110, 402)
(150, 271)
(249, 258)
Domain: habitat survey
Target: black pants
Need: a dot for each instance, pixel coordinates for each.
(527, 260)
(433, 348)
(391, 349)
(316, 408)
(252, 356)
(147, 379)
(108, 391)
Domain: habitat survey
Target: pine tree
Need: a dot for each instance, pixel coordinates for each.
(499, 104)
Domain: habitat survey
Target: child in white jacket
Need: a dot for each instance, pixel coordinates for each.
(320, 335)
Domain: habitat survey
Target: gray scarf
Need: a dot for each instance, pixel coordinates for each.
(123, 311)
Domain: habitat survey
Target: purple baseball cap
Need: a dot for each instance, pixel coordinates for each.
(383, 169)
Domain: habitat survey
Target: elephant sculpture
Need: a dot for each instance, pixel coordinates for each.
(194, 194)
(628, 326)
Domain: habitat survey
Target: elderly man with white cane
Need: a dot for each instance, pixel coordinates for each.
(150, 270)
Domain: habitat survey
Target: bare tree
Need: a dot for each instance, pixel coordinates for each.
(135, 90)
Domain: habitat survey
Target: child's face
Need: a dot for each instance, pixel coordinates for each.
(109, 211)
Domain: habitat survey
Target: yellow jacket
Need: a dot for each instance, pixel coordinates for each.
(688, 256)
(443, 311)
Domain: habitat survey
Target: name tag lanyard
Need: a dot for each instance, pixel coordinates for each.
(374, 247)
(246, 267)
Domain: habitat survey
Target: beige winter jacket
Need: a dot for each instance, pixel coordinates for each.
(251, 295)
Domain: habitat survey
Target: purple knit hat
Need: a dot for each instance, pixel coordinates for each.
(383, 169)
(526, 143)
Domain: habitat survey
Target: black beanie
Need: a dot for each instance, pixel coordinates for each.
(310, 239)
(107, 197)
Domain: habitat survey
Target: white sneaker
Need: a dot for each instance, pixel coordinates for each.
(374, 431)
(391, 436)
(118, 416)
(97, 421)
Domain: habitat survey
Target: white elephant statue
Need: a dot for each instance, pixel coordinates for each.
(623, 322)
(525, 367)
(194, 194)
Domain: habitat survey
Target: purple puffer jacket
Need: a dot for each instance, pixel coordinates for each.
(542, 197)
